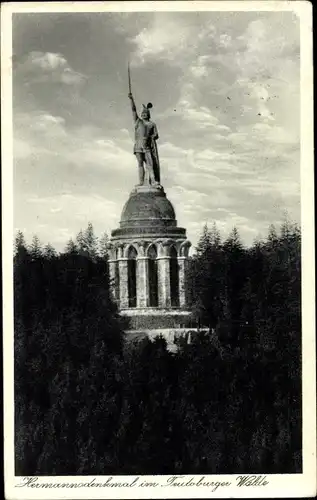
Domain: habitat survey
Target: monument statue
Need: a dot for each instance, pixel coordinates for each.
(145, 147)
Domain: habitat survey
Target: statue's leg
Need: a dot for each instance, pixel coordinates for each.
(139, 157)
(149, 164)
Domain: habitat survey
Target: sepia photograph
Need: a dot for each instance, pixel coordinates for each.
(160, 211)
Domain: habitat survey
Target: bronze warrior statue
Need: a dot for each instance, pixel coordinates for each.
(145, 148)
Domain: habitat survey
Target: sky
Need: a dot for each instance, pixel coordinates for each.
(225, 94)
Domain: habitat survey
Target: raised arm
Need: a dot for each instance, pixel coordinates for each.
(133, 107)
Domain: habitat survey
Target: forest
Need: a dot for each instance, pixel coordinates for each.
(228, 401)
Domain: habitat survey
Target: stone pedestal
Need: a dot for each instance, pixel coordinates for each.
(148, 232)
(147, 189)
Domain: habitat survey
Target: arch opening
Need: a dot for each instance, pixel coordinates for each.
(132, 293)
(153, 278)
(174, 277)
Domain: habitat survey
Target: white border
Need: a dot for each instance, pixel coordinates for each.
(281, 485)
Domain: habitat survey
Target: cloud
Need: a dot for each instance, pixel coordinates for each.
(83, 145)
(236, 187)
(48, 67)
(67, 176)
(227, 89)
(166, 38)
(201, 116)
(47, 61)
(199, 68)
(58, 218)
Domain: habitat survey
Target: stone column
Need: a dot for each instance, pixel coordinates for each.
(123, 283)
(142, 282)
(164, 280)
(182, 261)
(113, 278)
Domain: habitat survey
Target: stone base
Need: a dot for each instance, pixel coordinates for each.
(169, 334)
(147, 188)
(157, 319)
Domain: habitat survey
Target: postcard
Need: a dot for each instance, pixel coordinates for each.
(158, 250)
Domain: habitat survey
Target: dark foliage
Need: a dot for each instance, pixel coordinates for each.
(227, 402)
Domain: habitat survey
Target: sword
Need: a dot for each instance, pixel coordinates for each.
(129, 78)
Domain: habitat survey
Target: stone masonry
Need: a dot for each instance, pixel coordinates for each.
(149, 236)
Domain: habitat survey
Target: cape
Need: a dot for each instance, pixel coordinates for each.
(156, 162)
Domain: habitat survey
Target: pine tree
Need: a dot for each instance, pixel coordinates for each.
(35, 248)
(103, 245)
(234, 280)
(272, 234)
(80, 242)
(286, 226)
(215, 238)
(206, 277)
(49, 251)
(71, 247)
(90, 242)
(204, 241)
(20, 247)
(87, 242)
(68, 343)
(83, 404)
(19, 242)
(233, 242)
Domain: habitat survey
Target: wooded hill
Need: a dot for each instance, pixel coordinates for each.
(228, 402)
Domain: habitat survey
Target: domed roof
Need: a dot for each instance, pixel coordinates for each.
(145, 208)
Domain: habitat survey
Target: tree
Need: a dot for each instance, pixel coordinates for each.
(71, 247)
(68, 332)
(223, 403)
(20, 247)
(35, 248)
(234, 278)
(233, 242)
(272, 235)
(80, 242)
(214, 236)
(86, 242)
(49, 251)
(104, 245)
(206, 276)
(90, 241)
(204, 241)
(19, 243)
